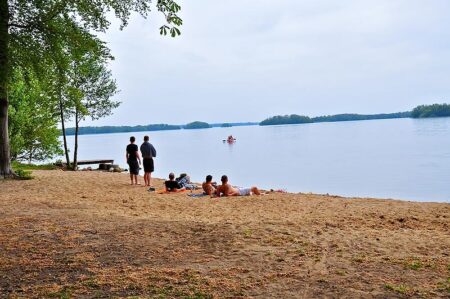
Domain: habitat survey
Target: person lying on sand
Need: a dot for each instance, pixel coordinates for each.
(227, 190)
(209, 187)
(172, 185)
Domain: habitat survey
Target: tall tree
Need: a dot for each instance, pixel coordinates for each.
(32, 123)
(92, 87)
(30, 29)
(5, 160)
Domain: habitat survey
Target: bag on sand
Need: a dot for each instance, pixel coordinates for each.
(184, 181)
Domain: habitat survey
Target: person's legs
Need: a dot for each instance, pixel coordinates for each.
(149, 179)
(146, 171)
(255, 191)
(134, 171)
(136, 179)
(146, 179)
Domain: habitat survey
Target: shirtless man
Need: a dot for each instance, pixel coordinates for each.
(209, 187)
(227, 190)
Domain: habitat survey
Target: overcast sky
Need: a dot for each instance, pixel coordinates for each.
(246, 60)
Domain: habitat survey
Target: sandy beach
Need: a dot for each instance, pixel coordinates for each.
(92, 235)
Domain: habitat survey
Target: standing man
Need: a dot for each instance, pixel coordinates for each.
(148, 153)
(132, 156)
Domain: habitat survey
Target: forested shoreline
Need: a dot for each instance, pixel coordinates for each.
(90, 130)
(422, 111)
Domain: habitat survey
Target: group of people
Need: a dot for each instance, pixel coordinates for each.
(133, 158)
(148, 152)
(225, 189)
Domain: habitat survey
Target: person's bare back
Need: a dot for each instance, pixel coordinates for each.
(227, 190)
(208, 186)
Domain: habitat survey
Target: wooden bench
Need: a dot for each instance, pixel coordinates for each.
(88, 162)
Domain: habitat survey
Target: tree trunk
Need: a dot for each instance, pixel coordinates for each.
(75, 150)
(63, 125)
(5, 160)
(63, 129)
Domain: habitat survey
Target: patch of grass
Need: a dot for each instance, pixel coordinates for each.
(184, 284)
(62, 294)
(132, 287)
(413, 265)
(200, 295)
(402, 289)
(24, 174)
(247, 233)
(91, 283)
(444, 285)
(171, 292)
(341, 272)
(67, 260)
(23, 170)
(25, 166)
(161, 292)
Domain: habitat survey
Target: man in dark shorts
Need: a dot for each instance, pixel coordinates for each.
(133, 160)
(148, 153)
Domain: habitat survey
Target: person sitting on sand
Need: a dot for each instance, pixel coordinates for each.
(172, 185)
(209, 187)
(227, 190)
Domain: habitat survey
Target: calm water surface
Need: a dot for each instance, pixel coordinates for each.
(400, 158)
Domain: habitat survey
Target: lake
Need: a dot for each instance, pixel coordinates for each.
(397, 158)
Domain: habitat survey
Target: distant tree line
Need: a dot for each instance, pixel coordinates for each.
(229, 125)
(435, 110)
(153, 127)
(286, 120)
(423, 111)
(197, 125)
(351, 116)
(121, 129)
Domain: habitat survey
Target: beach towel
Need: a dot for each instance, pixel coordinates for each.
(164, 191)
(279, 190)
(195, 195)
